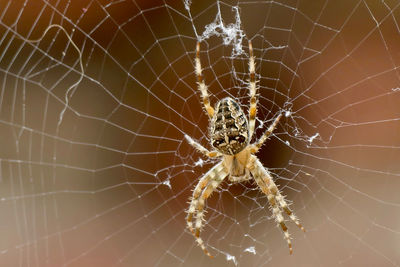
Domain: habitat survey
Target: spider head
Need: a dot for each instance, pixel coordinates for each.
(229, 129)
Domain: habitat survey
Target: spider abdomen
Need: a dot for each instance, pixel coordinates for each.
(229, 128)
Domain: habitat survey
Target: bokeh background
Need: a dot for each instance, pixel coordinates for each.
(107, 183)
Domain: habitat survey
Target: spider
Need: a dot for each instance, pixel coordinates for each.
(230, 134)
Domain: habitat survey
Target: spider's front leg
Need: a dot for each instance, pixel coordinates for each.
(196, 194)
(207, 184)
(265, 182)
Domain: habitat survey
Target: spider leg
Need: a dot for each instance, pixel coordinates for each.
(213, 184)
(276, 211)
(278, 197)
(195, 197)
(201, 148)
(265, 181)
(201, 85)
(285, 207)
(257, 145)
(252, 92)
(210, 181)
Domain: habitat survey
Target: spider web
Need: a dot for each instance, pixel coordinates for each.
(94, 166)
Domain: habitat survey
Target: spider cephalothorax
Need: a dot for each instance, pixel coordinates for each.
(230, 134)
(229, 129)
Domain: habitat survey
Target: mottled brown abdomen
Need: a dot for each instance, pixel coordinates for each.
(229, 129)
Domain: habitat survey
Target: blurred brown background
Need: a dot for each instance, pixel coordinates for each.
(109, 183)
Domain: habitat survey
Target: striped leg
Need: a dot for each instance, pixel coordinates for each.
(201, 85)
(202, 149)
(268, 182)
(195, 198)
(210, 181)
(276, 200)
(257, 145)
(281, 200)
(213, 184)
(252, 92)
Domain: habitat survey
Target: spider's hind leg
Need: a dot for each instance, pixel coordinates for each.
(258, 144)
(252, 92)
(201, 85)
